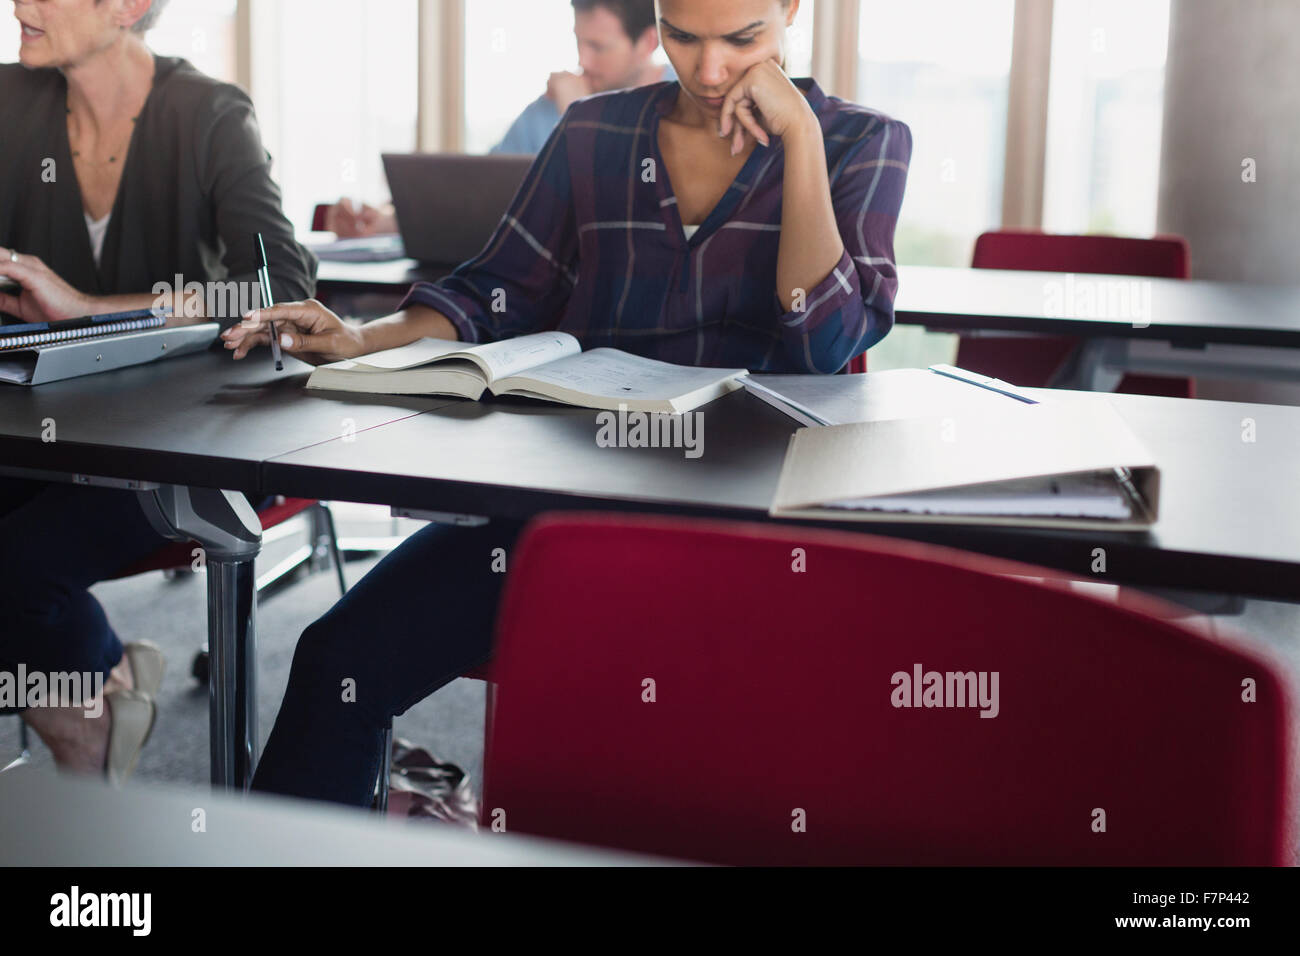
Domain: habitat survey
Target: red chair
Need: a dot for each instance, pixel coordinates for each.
(1032, 360)
(773, 737)
(320, 217)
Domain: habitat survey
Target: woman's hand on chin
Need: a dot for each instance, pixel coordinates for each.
(764, 103)
(43, 296)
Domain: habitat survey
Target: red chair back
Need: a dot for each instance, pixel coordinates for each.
(1164, 257)
(180, 554)
(712, 691)
(320, 217)
(1031, 361)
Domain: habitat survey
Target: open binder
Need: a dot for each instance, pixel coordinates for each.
(36, 363)
(1068, 464)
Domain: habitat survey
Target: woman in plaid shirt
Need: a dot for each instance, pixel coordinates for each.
(735, 218)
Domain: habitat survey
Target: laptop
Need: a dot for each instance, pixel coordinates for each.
(449, 204)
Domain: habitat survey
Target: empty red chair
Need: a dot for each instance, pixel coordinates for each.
(320, 217)
(1032, 360)
(712, 691)
(1165, 257)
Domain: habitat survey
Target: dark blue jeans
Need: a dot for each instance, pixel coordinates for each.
(423, 616)
(56, 540)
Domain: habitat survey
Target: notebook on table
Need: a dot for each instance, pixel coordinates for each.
(38, 352)
(545, 365)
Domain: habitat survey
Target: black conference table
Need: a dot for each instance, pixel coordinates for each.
(1165, 326)
(189, 433)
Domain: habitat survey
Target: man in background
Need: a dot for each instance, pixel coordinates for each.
(616, 41)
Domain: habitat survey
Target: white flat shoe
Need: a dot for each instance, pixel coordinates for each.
(147, 666)
(132, 714)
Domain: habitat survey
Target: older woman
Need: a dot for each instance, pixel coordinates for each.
(734, 218)
(120, 170)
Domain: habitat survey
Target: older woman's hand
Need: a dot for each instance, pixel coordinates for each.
(43, 296)
(307, 330)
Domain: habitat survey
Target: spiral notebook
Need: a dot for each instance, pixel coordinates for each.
(27, 335)
(97, 347)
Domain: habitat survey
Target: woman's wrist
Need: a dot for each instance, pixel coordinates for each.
(808, 130)
(413, 323)
(83, 305)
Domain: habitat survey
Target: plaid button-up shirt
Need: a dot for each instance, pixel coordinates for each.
(592, 244)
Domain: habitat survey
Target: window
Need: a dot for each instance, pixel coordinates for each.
(201, 31)
(511, 49)
(950, 86)
(1105, 107)
(335, 83)
(10, 40)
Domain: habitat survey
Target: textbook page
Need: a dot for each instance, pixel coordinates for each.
(495, 358)
(606, 378)
(512, 356)
(407, 356)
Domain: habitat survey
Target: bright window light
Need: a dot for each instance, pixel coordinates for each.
(336, 85)
(511, 49)
(201, 31)
(10, 37)
(949, 85)
(1105, 110)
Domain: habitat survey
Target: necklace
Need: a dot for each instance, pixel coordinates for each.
(76, 153)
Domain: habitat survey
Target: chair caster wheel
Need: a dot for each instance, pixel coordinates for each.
(199, 668)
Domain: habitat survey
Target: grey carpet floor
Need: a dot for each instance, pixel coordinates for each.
(172, 614)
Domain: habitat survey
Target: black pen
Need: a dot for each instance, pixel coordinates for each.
(264, 280)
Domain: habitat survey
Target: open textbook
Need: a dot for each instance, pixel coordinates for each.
(545, 365)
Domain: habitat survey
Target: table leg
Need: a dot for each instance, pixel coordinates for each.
(228, 529)
(232, 673)
(1097, 366)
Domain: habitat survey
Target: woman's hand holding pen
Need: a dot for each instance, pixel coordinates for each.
(764, 103)
(308, 331)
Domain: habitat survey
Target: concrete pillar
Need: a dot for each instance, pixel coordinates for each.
(1232, 95)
